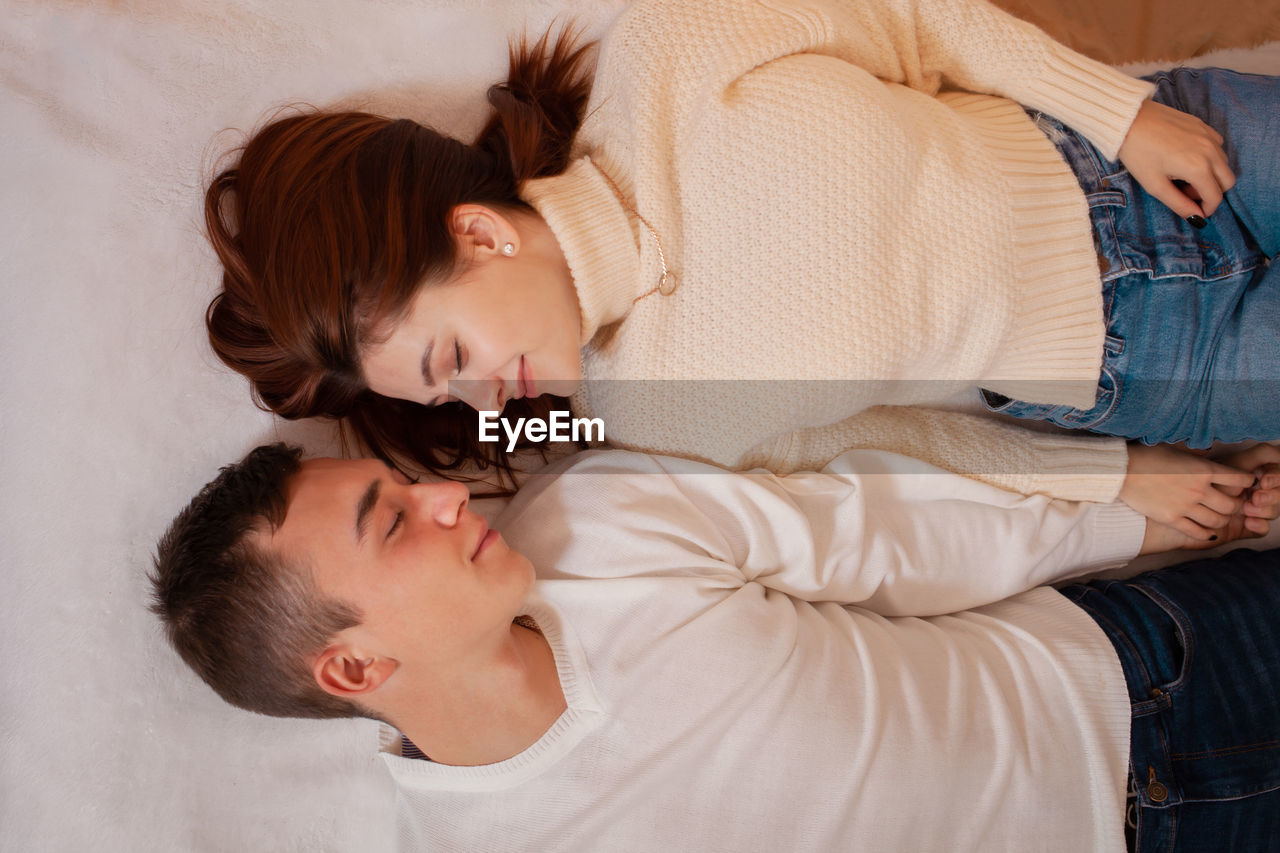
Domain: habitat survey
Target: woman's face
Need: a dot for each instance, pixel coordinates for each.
(506, 327)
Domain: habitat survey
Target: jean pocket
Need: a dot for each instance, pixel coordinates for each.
(995, 402)
(1108, 395)
(1001, 404)
(1110, 388)
(1171, 673)
(1104, 405)
(1207, 727)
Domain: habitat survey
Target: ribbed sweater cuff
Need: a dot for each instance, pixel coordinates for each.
(1081, 468)
(1094, 99)
(1116, 536)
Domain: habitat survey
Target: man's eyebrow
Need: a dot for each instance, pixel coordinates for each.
(367, 502)
(426, 366)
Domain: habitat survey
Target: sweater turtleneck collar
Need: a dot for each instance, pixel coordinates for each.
(597, 237)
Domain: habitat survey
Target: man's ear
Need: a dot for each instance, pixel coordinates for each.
(343, 672)
(485, 229)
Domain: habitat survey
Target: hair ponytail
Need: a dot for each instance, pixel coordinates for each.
(538, 110)
(330, 222)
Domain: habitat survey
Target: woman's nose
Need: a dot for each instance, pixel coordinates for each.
(483, 395)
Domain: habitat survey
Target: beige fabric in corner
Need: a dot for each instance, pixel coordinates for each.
(1120, 31)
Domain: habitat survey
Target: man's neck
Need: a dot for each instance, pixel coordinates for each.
(489, 716)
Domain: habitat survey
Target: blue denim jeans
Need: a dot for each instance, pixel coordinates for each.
(1200, 647)
(1193, 315)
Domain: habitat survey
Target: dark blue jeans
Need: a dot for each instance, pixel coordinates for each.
(1200, 648)
(1193, 315)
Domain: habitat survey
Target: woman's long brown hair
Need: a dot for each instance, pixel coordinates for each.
(328, 224)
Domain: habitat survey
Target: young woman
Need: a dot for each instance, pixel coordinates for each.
(781, 228)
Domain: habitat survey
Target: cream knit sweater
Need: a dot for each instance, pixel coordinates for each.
(845, 228)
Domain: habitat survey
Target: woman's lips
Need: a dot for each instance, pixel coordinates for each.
(525, 379)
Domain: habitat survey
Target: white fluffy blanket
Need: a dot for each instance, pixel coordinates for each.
(115, 411)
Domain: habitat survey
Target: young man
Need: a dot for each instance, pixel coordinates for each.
(862, 659)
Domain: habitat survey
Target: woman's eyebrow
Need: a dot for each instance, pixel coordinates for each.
(367, 502)
(426, 366)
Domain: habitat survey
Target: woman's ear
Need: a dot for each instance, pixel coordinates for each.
(485, 229)
(343, 672)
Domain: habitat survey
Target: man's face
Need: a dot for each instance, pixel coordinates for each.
(432, 581)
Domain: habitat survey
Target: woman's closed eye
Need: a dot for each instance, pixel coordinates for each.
(395, 524)
(459, 362)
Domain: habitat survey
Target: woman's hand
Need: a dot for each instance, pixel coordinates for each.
(1165, 145)
(1193, 495)
(1159, 538)
(1262, 499)
(1260, 502)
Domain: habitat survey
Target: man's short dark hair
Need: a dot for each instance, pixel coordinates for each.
(243, 620)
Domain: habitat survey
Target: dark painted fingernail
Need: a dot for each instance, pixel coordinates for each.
(1197, 221)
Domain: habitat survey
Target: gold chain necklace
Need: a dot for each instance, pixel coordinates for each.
(666, 282)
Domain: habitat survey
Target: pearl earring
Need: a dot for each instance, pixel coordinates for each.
(508, 249)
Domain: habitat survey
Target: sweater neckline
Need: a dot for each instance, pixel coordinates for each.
(600, 242)
(582, 715)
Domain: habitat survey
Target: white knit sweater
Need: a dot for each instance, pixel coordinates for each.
(845, 229)
(740, 676)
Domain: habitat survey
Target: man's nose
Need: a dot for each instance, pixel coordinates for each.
(443, 501)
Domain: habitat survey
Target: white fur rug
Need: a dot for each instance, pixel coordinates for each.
(115, 411)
